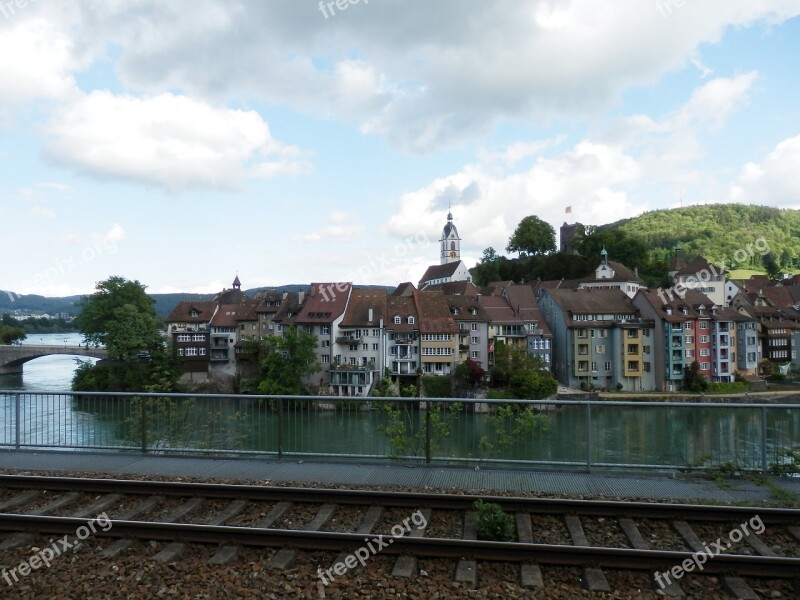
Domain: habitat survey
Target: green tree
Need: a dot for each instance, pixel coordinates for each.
(287, 362)
(772, 267)
(131, 332)
(488, 267)
(523, 376)
(532, 236)
(10, 335)
(121, 316)
(104, 308)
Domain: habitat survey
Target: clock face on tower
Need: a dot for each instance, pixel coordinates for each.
(452, 254)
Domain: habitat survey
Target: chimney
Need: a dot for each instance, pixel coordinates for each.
(369, 316)
(300, 297)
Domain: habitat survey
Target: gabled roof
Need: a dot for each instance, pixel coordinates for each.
(182, 313)
(465, 306)
(404, 289)
(671, 308)
(621, 273)
(226, 315)
(499, 311)
(288, 309)
(361, 301)
(434, 313)
(697, 265)
(247, 311)
(777, 296)
(269, 301)
(593, 301)
(403, 307)
(466, 288)
(439, 272)
(324, 302)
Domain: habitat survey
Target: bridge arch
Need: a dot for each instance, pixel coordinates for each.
(12, 358)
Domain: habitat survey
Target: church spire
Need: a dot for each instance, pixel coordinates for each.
(450, 243)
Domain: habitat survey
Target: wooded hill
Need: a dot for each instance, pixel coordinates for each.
(745, 237)
(717, 230)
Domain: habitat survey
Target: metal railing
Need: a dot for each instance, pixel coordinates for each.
(565, 433)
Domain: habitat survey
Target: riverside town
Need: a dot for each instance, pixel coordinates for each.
(378, 299)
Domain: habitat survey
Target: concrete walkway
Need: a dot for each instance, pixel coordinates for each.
(611, 484)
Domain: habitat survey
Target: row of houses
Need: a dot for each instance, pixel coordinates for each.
(362, 333)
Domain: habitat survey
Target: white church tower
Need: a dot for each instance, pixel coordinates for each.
(450, 242)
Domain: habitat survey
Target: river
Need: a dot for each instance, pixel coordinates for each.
(686, 435)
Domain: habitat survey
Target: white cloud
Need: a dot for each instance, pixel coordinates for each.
(36, 62)
(422, 77)
(603, 178)
(167, 140)
(775, 180)
(344, 227)
(43, 213)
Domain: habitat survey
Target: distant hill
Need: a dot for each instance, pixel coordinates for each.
(164, 303)
(718, 230)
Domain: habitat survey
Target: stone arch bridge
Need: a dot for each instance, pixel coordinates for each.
(12, 358)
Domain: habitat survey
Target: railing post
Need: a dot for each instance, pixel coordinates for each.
(17, 424)
(764, 440)
(428, 409)
(280, 428)
(588, 436)
(143, 406)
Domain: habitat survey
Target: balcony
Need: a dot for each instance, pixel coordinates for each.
(463, 347)
(348, 339)
(337, 367)
(405, 341)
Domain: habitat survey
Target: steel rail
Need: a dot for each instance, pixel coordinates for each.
(551, 554)
(660, 510)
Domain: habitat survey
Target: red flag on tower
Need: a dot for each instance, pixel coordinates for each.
(568, 209)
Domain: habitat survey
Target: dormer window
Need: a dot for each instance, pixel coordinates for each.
(410, 320)
(473, 311)
(397, 320)
(686, 311)
(455, 310)
(195, 314)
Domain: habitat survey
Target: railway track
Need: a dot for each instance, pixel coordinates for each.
(596, 536)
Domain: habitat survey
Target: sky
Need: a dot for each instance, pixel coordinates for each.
(183, 143)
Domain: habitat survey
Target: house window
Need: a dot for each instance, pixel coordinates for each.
(600, 349)
(475, 339)
(325, 343)
(594, 367)
(410, 320)
(374, 346)
(583, 365)
(474, 354)
(474, 327)
(326, 330)
(326, 359)
(687, 325)
(397, 320)
(704, 366)
(703, 324)
(607, 365)
(353, 347)
(704, 352)
(646, 367)
(703, 339)
(365, 346)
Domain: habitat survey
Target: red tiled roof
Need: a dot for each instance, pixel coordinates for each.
(182, 313)
(324, 302)
(226, 315)
(361, 301)
(434, 313)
